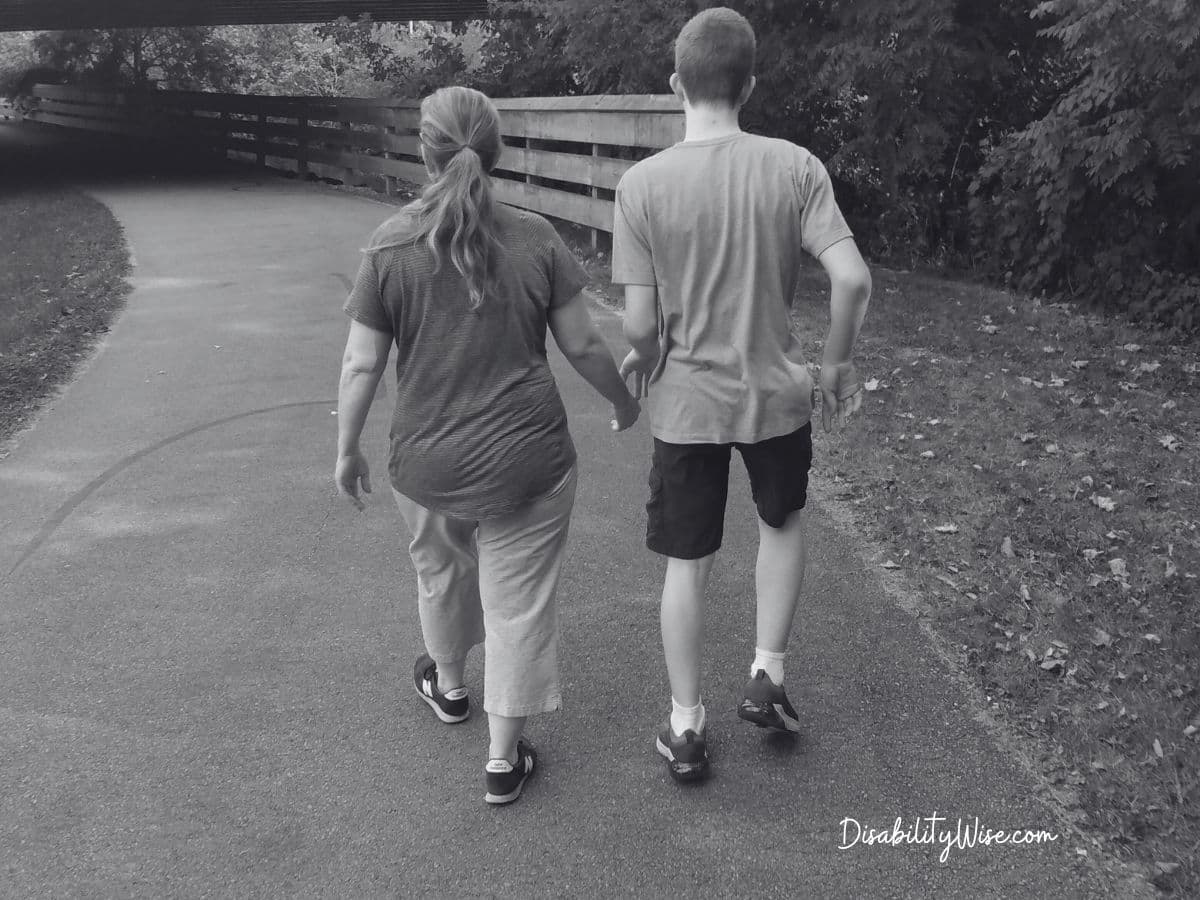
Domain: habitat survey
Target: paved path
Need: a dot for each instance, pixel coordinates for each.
(205, 655)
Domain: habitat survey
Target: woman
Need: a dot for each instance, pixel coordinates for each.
(482, 465)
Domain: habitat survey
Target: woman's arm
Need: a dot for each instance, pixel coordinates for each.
(362, 366)
(585, 349)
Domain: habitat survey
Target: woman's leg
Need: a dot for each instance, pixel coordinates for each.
(444, 555)
(520, 559)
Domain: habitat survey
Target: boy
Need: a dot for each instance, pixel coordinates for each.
(706, 241)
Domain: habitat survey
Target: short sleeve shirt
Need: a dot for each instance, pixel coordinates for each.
(718, 226)
(479, 429)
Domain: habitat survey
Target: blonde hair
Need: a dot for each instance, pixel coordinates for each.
(461, 145)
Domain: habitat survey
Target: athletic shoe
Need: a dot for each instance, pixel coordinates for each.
(505, 780)
(451, 707)
(766, 705)
(686, 754)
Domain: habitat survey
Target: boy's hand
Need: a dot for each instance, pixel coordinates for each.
(841, 394)
(625, 414)
(640, 367)
(350, 469)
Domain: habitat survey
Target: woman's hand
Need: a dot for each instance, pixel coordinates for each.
(625, 414)
(350, 470)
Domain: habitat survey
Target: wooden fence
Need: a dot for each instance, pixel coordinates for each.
(563, 157)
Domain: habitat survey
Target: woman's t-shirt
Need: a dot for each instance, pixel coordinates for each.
(479, 428)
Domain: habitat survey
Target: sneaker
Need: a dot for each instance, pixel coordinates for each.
(766, 705)
(686, 754)
(504, 779)
(451, 707)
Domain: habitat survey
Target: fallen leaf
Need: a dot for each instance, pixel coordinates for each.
(1052, 449)
(1170, 442)
(1147, 368)
(1056, 382)
(1158, 751)
(1025, 380)
(1095, 580)
(1170, 404)
(1027, 437)
(1105, 503)
(989, 329)
(871, 384)
(1090, 554)
(928, 454)
(1051, 665)
(1118, 568)
(1025, 594)
(890, 564)
(1006, 548)
(1101, 638)
(947, 529)
(1171, 571)
(1131, 348)
(1079, 363)
(1190, 730)
(1152, 638)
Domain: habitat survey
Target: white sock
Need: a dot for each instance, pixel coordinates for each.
(685, 717)
(769, 662)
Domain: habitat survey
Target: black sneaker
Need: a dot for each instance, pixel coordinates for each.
(766, 705)
(504, 779)
(451, 707)
(686, 754)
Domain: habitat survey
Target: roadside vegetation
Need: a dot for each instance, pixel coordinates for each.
(62, 278)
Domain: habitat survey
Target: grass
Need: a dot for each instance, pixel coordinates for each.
(1031, 471)
(62, 277)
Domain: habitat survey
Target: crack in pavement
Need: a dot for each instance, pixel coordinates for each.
(79, 497)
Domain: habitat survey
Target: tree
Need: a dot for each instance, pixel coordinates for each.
(180, 58)
(1111, 173)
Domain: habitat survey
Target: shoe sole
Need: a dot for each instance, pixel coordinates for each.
(441, 713)
(697, 773)
(775, 718)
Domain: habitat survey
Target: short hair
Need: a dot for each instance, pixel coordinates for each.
(714, 56)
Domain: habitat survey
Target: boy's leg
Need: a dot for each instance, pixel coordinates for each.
(444, 555)
(778, 470)
(778, 577)
(682, 621)
(689, 484)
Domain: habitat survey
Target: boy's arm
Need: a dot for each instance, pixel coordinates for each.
(641, 330)
(849, 295)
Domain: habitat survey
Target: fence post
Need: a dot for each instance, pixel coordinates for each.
(595, 193)
(302, 144)
(348, 173)
(260, 141)
(389, 181)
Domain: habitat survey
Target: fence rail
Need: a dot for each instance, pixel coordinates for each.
(564, 155)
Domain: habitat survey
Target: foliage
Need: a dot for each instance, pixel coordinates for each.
(299, 60)
(180, 58)
(1111, 174)
(17, 57)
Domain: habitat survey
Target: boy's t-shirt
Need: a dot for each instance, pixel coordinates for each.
(718, 225)
(479, 429)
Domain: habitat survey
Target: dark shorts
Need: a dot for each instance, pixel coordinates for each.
(689, 484)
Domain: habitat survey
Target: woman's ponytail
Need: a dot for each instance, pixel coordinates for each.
(460, 137)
